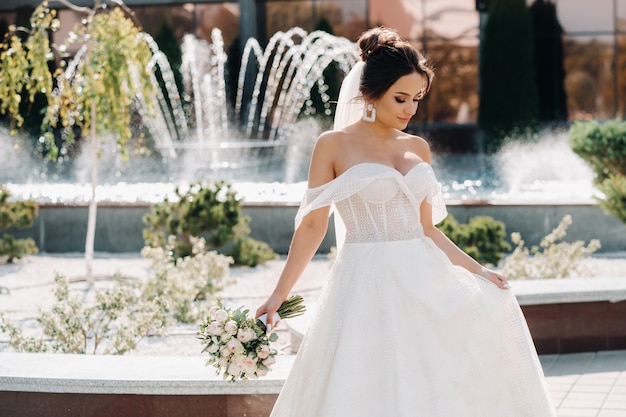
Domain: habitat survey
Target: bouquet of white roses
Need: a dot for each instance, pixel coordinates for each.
(239, 346)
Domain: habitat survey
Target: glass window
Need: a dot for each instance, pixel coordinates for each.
(284, 15)
(197, 19)
(347, 18)
(589, 77)
(454, 96)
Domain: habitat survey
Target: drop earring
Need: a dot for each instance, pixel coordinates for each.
(369, 113)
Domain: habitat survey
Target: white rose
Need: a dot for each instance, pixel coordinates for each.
(231, 327)
(269, 361)
(212, 311)
(233, 369)
(250, 360)
(238, 359)
(234, 345)
(263, 351)
(225, 352)
(249, 370)
(221, 315)
(213, 348)
(245, 335)
(223, 362)
(252, 334)
(262, 371)
(215, 328)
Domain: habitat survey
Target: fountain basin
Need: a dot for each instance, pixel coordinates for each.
(61, 227)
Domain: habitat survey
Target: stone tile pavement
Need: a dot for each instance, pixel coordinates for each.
(589, 384)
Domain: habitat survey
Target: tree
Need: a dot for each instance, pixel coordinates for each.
(508, 95)
(548, 60)
(93, 94)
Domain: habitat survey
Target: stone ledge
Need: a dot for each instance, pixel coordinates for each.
(569, 290)
(128, 374)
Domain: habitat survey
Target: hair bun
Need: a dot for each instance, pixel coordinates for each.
(374, 39)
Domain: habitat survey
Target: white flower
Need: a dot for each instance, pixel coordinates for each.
(212, 311)
(213, 348)
(250, 360)
(246, 335)
(225, 352)
(263, 351)
(233, 369)
(269, 361)
(249, 370)
(238, 358)
(234, 345)
(262, 371)
(223, 362)
(215, 328)
(231, 327)
(221, 315)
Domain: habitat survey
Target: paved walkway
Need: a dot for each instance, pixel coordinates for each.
(590, 384)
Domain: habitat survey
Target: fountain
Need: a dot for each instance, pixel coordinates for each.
(272, 93)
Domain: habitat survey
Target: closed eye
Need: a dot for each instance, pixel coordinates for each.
(403, 100)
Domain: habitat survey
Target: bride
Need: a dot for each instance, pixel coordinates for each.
(408, 324)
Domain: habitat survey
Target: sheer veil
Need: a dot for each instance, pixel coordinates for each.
(349, 110)
(349, 105)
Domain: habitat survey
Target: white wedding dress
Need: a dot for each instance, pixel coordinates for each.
(400, 331)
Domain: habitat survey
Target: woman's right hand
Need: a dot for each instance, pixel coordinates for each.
(270, 307)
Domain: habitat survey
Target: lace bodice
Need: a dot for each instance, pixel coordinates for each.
(378, 203)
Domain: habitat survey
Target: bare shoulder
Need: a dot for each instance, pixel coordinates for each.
(418, 145)
(325, 154)
(328, 144)
(329, 138)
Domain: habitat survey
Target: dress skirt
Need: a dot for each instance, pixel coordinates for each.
(401, 332)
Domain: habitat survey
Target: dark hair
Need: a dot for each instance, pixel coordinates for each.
(387, 57)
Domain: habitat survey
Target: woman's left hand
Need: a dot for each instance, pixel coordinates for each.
(495, 277)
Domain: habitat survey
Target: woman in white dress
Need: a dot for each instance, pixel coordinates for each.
(408, 325)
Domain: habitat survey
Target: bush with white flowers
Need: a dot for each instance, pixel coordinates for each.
(186, 282)
(553, 258)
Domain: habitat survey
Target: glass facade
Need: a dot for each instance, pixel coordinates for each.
(448, 31)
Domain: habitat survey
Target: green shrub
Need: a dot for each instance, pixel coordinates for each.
(483, 238)
(251, 252)
(603, 147)
(18, 214)
(114, 323)
(553, 258)
(212, 212)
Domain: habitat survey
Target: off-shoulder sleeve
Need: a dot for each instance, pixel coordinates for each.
(439, 210)
(313, 199)
(436, 200)
(342, 187)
